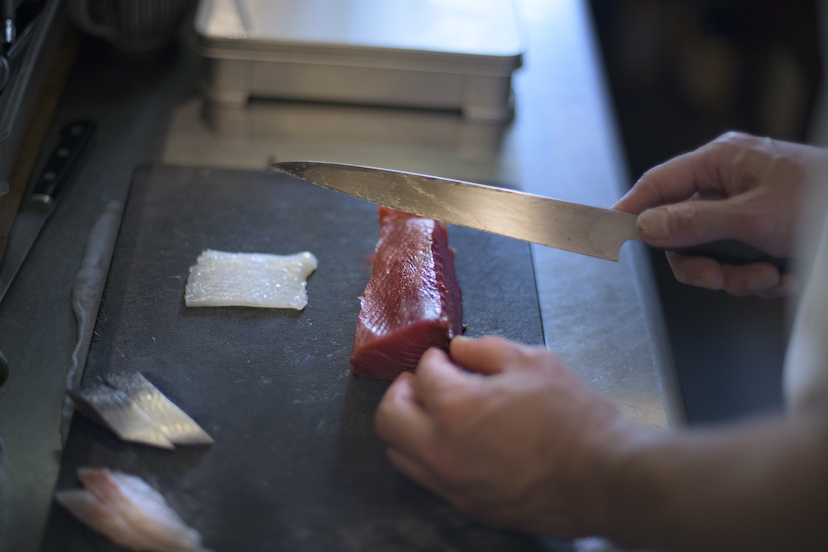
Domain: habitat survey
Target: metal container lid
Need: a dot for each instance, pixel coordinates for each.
(479, 32)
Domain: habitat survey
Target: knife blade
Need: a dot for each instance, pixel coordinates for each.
(560, 224)
(33, 214)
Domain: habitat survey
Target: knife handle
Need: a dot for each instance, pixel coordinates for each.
(74, 138)
(732, 252)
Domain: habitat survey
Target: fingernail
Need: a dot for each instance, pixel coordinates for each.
(652, 224)
(457, 340)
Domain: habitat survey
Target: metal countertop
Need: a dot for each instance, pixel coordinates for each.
(602, 318)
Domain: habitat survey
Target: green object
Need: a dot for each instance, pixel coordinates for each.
(4, 368)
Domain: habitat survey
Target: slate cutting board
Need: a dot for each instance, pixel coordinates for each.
(296, 464)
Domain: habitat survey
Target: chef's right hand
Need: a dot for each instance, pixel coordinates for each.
(736, 187)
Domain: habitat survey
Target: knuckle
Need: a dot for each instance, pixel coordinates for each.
(452, 410)
(754, 278)
(734, 145)
(683, 217)
(735, 137)
(756, 159)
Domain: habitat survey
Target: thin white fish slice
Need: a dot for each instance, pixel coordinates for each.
(99, 517)
(221, 279)
(129, 512)
(176, 425)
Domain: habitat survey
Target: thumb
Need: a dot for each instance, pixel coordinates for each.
(487, 355)
(693, 222)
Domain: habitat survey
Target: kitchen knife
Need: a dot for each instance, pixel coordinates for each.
(36, 210)
(569, 226)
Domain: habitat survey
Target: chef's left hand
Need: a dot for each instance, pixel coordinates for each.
(513, 437)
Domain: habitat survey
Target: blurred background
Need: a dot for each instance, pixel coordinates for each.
(680, 74)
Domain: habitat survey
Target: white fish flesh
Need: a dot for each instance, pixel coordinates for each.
(129, 512)
(221, 279)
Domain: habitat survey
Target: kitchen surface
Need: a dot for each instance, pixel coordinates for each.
(157, 113)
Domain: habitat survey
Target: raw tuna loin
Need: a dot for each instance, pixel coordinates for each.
(412, 301)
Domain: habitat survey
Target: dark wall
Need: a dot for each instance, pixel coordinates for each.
(684, 72)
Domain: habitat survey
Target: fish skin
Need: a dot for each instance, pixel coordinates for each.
(173, 422)
(129, 512)
(412, 301)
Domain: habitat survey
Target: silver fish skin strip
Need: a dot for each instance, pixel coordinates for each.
(120, 414)
(176, 425)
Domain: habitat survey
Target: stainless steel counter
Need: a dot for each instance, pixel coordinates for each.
(603, 318)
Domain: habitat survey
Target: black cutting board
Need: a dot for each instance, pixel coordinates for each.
(296, 464)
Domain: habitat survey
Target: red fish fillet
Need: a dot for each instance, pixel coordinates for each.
(412, 301)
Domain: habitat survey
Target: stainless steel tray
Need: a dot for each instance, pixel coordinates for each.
(447, 54)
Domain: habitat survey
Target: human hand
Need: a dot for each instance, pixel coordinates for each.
(515, 439)
(739, 187)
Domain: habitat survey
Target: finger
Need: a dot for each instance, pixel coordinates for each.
(750, 279)
(762, 279)
(673, 181)
(788, 284)
(437, 365)
(487, 355)
(400, 419)
(701, 272)
(419, 473)
(438, 378)
(412, 468)
(695, 222)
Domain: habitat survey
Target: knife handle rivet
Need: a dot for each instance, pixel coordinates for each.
(49, 176)
(63, 153)
(76, 130)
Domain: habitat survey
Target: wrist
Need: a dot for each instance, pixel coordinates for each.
(624, 490)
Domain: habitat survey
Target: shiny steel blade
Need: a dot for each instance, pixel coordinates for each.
(569, 226)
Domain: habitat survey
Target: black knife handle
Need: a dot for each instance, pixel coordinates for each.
(732, 252)
(74, 138)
